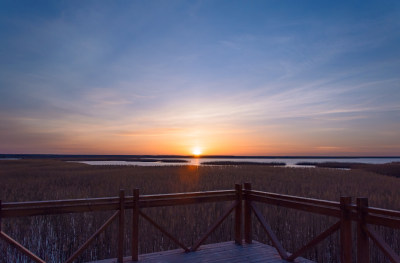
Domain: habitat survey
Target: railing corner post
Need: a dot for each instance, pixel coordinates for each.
(238, 214)
(247, 215)
(1, 207)
(362, 236)
(135, 225)
(121, 226)
(345, 230)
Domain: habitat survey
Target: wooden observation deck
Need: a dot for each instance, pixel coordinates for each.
(214, 253)
(243, 248)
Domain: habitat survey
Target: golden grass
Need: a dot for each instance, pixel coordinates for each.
(58, 236)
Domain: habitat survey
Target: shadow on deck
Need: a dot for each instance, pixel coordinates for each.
(213, 253)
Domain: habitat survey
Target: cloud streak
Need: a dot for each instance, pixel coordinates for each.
(159, 78)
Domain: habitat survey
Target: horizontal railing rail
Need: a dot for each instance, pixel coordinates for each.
(22, 209)
(295, 198)
(309, 207)
(243, 201)
(347, 213)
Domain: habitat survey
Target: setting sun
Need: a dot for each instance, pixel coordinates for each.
(196, 151)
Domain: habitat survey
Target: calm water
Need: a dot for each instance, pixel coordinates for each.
(290, 162)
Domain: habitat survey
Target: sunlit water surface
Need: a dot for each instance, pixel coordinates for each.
(290, 162)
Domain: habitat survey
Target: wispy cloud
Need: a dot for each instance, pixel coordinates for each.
(171, 74)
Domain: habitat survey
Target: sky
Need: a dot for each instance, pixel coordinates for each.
(227, 77)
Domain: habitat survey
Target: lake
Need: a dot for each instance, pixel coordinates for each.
(290, 162)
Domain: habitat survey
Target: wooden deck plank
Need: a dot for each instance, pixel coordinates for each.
(214, 253)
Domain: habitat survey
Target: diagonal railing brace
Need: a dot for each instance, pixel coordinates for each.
(388, 251)
(214, 226)
(270, 233)
(164, 231)
(315, 241)
(90, 240)
(21, 248)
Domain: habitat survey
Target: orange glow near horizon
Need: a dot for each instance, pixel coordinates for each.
(195, 141)
(154, 97)
(197, 151)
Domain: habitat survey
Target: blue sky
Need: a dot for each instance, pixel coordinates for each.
(229, 77)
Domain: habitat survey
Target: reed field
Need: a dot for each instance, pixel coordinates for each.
(55, 237)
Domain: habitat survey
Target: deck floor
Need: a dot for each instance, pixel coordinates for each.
(215, 253)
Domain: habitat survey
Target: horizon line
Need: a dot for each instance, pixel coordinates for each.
(21, 155)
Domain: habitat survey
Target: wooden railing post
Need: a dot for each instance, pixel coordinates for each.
(135, 226)
(238, 214)
(362, 237)
(121, 226)
(247, 216)
(0, 215)
(345, 230)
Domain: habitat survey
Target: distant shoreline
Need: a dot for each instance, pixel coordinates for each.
(120, 157)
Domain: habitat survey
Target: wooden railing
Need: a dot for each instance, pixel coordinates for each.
(242, 202)
(345, 211)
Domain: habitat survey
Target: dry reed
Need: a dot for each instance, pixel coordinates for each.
(55, 237)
